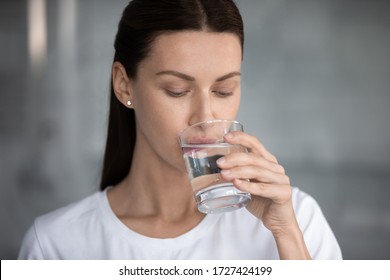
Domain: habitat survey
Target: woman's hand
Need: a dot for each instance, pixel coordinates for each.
(259, 173)
(268, 183)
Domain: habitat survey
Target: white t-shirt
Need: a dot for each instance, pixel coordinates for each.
(89, 229)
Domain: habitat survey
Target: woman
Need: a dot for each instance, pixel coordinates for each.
(178, 63)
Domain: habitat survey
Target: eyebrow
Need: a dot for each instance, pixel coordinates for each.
(228, 76)
(189, 78)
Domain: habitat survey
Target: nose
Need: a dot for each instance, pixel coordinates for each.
(202, 109)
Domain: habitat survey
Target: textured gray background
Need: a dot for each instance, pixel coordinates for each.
(315, 91)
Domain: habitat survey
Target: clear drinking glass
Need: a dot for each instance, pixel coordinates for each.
(203, 144)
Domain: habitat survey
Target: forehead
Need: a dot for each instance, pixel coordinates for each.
(183, 49)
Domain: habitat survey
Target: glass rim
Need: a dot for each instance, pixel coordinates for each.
(209, 122)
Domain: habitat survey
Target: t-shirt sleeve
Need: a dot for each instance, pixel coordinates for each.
(31, 247)
(319, 237)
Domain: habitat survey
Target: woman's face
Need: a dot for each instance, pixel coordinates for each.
(188, 77)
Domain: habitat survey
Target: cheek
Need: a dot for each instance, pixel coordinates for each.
(228, 109)
(159, 121)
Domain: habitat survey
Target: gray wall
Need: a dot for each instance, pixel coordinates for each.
(315, 91)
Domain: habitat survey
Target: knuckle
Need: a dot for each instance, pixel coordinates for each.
(262, 187)
(287, 190)
(287, 180)
(273, 158)
(251, 137)
(281, 169)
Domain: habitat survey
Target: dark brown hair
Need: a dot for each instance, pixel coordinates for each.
(142, 21)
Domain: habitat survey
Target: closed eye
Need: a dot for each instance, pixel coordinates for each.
(176, 93)
(223, 93)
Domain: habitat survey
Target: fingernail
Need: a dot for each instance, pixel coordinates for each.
(229, 136)
(221, 160)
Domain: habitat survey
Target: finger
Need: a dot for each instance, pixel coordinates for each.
(254, 173)
(275, 192)
(250, 142)
(245, 159)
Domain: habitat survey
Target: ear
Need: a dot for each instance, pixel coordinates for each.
(121, 84)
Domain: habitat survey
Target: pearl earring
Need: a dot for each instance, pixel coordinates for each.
(128, 103)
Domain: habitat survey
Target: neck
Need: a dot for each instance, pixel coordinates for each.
(154, 188)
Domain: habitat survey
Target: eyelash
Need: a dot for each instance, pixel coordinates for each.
(183, 93)
(222, 93)
(177, 94)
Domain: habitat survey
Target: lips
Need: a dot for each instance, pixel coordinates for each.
(191, 144)
(201, 140)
